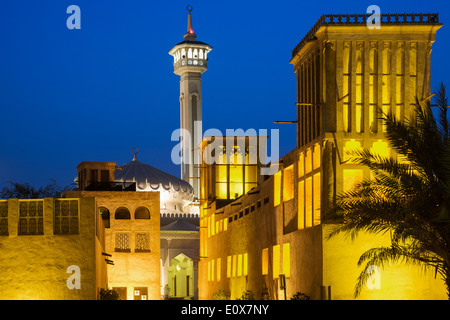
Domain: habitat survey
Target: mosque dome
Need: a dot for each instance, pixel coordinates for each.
(147, 178)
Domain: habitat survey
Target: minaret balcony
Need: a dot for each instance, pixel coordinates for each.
(190, 62)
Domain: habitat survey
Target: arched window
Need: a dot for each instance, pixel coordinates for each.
(142, 213)
(104, 212)
(122, 213)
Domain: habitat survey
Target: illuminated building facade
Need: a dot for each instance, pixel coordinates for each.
(153, 241)
(51, 249)
(345, 71)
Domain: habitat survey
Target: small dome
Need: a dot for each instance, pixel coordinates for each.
(148, 178)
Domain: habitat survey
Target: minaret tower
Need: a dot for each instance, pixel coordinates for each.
(190, 61)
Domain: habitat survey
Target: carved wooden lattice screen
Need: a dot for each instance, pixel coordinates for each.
(66, 216)
(122, 242)
(31, 217)
(4, 218)
(142, 242)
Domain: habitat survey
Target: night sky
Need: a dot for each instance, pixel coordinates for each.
(93, 94)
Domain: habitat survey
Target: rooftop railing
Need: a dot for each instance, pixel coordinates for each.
(360, 19)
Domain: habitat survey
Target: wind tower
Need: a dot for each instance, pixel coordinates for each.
(190, 61)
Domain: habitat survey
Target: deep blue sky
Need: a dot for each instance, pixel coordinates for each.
(93, 94)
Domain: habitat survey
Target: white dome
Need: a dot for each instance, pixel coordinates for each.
(147, 178)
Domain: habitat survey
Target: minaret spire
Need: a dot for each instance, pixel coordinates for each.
(190, 59)
(190, 35)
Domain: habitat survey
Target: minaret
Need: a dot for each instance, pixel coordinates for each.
(190, 61)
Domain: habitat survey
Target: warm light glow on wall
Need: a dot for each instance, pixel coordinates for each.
(351, 178)
(265, 261)
(380, 148)
(287, 260)
(277, 188)
(276, 262)
(351, 146)
(288, 183)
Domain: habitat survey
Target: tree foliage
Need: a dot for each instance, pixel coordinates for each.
(15, 190)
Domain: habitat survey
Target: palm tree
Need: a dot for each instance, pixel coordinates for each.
(409, 199)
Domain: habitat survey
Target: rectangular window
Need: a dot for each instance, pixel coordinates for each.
(239, 265)
(31, 217)
(219, 268)
(229, 267)
(316, 199)
(209, 270)
(277, 189)
(301, 204)
(234, 267)
(288, 183)
(122, 242)
(245, 266)
(287, 260)
(209, 226)
(265, 261)
(65, 217)
(212, 270)
(308, 202)
(221, 190)
(316, 156)
(236, 190)
(301, 165)
(308, 159)
(251, 173)
(276, 262)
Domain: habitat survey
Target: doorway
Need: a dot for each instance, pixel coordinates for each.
(180, 277)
